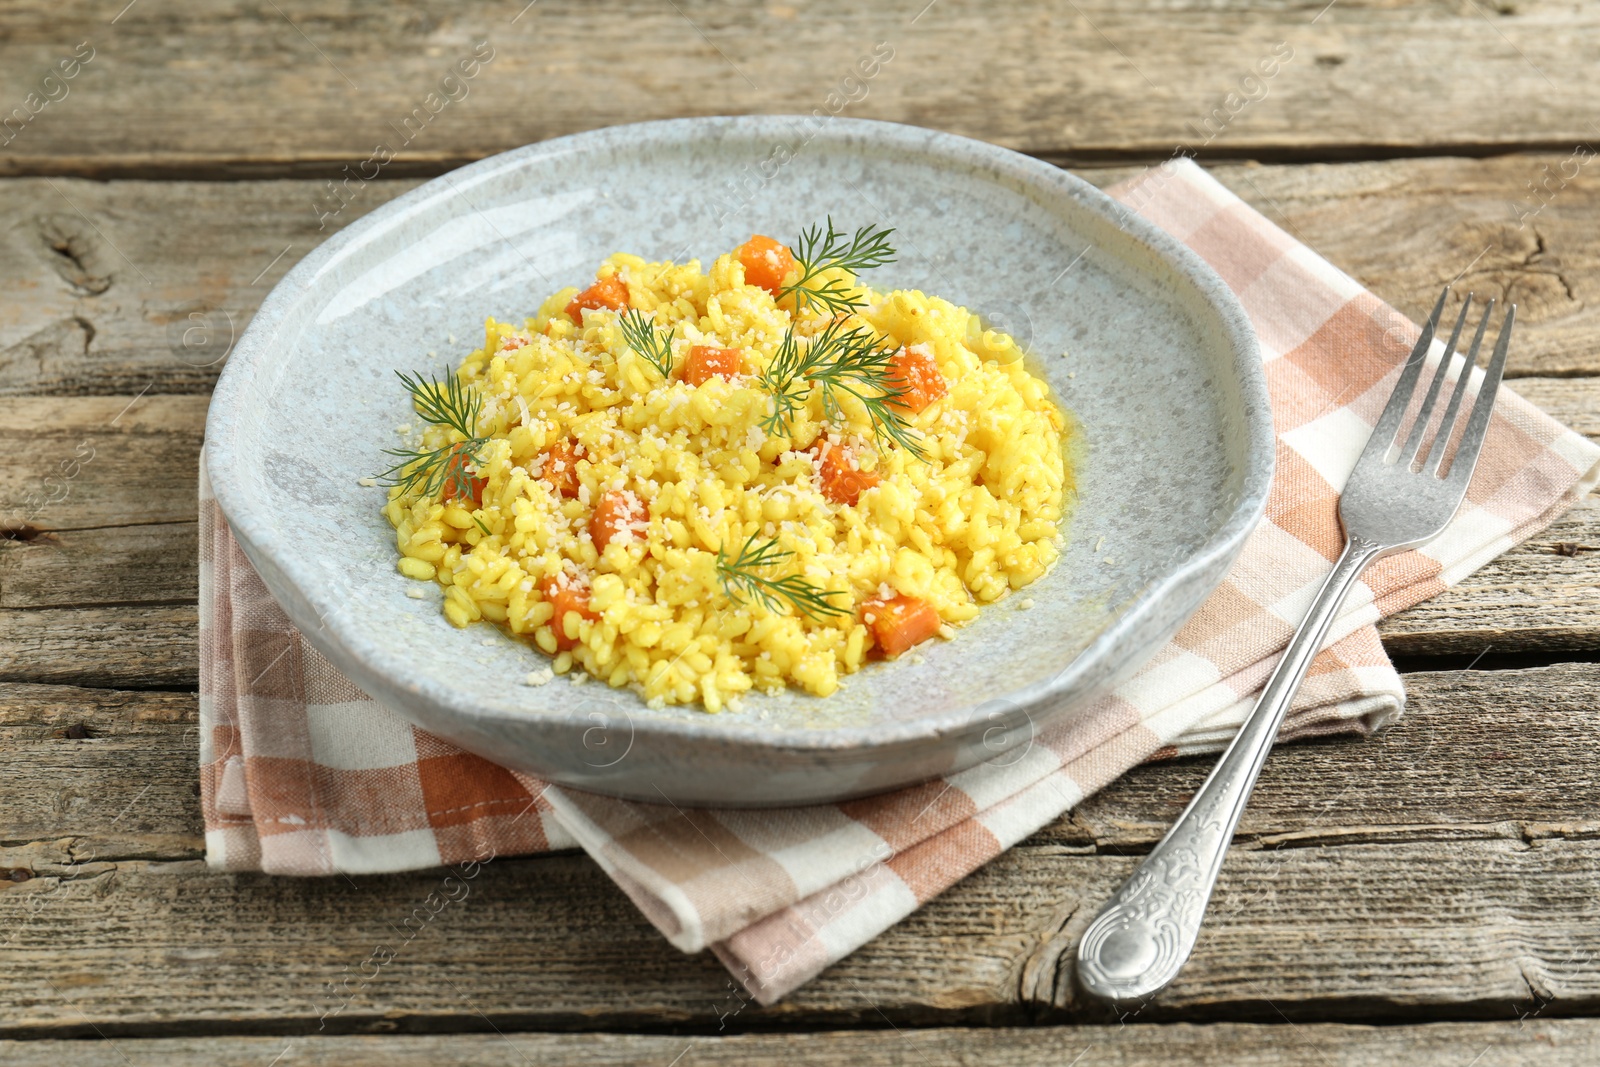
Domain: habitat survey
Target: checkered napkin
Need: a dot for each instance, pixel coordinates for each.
(302, 773)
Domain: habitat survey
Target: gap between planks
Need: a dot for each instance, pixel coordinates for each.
(421, 166)
(1534, 1043)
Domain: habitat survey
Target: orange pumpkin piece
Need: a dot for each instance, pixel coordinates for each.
(567, 600)
(900, 623)
(451, 488)
(561, 468)
(842, 481)
(706, 362)
(766, 263)
(917, 376)
(609, 293)
(618, 510)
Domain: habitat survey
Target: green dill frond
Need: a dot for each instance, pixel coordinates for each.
(855, 362)
(840, 360)
(742, 580)
(427, 473)
(817, 251)
(447, 403)
(780, 380)
(653, 345)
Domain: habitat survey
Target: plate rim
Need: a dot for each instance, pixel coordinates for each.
(252, 355)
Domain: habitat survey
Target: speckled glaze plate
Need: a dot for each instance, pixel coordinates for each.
(1163, 379)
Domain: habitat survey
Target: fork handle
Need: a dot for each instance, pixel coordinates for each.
(1143, 936)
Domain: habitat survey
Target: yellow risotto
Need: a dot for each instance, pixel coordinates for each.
(698, 482)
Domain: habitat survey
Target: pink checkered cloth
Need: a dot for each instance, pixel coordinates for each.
(302, 773)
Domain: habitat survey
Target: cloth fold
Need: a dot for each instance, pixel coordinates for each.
(302, 773)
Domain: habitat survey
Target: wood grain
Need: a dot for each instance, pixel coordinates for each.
(119, 565)
(1492, 755)
(1478, 753)
(1447, 856)
(137, 284)
(138, 645)
(98, 461)
(1575, 401)
(145, 285)
(1532, 1043)
(1514, 228)
(71, 797)
(139, 628)
(1539, 597)
(1461, 929)
(1448, 869)
(108, 484)
(233, 88)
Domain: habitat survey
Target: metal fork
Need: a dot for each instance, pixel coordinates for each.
(1145, 933)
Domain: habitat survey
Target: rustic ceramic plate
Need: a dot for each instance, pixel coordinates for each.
(1162, 377)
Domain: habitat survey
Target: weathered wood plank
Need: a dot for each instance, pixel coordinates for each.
(1534, 1043)
(1443, 870)
(116, 565)
(69, 796)
(1467, 929)
(74, 466)
(1518, 228)
(190, 90)
(98, 461)
(1575, 401)
(145, 284)
(1538, 597)
(1535, 598)
(1491, 755)
(138, 645)
(154, 280)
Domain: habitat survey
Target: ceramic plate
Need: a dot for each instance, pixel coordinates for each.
(1161, 375)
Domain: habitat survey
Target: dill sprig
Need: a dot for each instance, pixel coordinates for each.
(855, 362)
(742, 579)
(783, 379)
(817, 251)
(652, 344)
(839, 360)
(445, 403)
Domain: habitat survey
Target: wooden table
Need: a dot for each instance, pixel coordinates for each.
(1430, 895)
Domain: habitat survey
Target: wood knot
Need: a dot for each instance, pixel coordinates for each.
(74, 254)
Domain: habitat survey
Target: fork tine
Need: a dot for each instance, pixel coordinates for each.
(1478, 425)
(1383, 434)
(1447, 424)
(1414, 439)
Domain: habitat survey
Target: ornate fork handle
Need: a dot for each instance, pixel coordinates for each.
(1144, 934)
